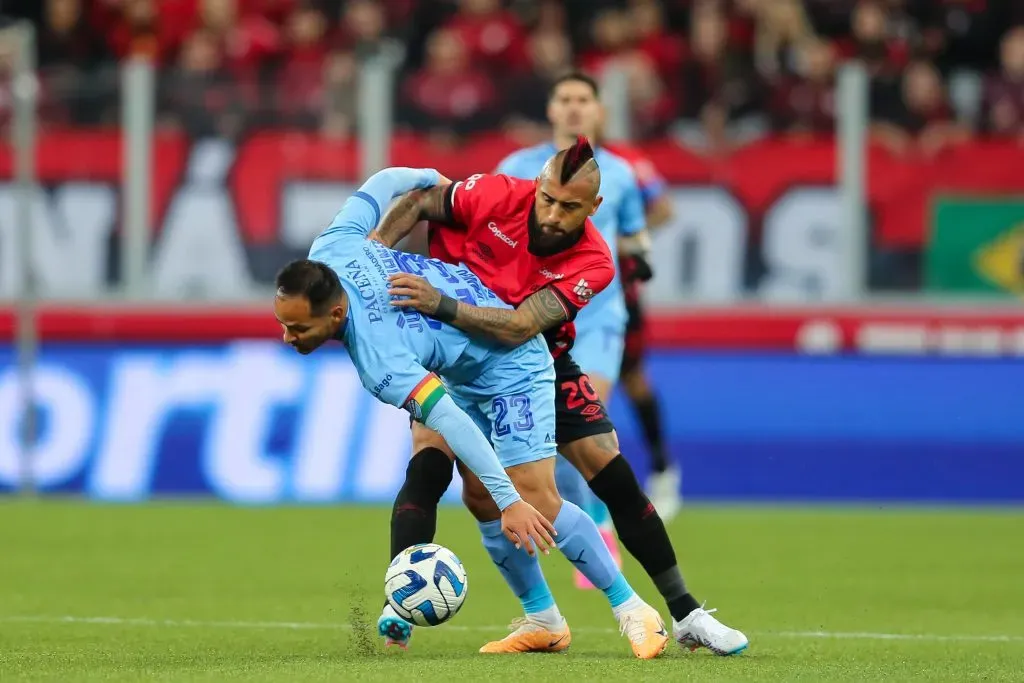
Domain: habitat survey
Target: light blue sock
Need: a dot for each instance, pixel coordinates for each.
(574, 488)
(598, 511)
(580, 541)
(571, 484)
(521, 572)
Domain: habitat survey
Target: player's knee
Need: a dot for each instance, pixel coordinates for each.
(423, 437)
(591, 454)
(535, 482)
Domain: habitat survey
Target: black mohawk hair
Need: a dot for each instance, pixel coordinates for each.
(575, 158)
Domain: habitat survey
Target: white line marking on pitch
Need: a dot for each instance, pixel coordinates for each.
(318, 626)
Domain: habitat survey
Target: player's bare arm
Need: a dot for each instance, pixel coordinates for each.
(659, 212)
(410, 209)
(541, 311)
(637, 243)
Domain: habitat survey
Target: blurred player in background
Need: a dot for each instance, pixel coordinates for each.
(664, 481)
(574, 109)
(341, 292)
(531, 242)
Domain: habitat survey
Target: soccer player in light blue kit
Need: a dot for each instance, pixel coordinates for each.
(341, 292)
(574, 109)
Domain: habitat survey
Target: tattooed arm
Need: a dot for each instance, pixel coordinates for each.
(543, 310)
(430, 204)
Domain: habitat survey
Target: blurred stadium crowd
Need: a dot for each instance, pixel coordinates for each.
(711, 72)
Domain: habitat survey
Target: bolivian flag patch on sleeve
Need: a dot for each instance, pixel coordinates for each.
(424, 397)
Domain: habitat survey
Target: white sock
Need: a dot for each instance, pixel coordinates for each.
(633, 603)
(549, 618)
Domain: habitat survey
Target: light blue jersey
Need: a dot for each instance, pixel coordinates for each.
(601, 325)
(509, 393)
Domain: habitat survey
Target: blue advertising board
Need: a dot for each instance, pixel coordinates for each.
(252, 422)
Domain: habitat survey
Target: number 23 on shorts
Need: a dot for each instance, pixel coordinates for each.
(512, 413)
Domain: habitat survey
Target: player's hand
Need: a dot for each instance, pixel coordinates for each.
(525, 527)
(420, 294)
(635, 268)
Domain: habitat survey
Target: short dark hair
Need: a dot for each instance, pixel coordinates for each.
(576, 77)
(312, 280)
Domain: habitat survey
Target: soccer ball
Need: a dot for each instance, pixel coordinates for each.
(426, 584)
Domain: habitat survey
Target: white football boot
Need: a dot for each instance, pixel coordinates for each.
(700, 629)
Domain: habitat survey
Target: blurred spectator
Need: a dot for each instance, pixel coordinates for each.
(663, 49)
(492, 35)
(247, 41)
(66, 39)
(700, 67)
(611, 37)
(201, 94)
(550, 57)
(300, 80)
(872, 41)
(806, 104)
(363, 29)
(781, 35)
(551, 16)
(71, 61)
(923, 114)
(139, 30)
(1002, 111)
(340, 86)
(718, 86)
(449, 95)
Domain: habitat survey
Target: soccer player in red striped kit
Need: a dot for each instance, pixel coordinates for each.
(533, 244)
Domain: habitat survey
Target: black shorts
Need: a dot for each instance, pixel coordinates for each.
(579, 412)
(635, 342)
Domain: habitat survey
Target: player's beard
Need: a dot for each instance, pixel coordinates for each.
(541, 244)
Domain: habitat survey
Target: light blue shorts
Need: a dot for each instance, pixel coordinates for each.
(513, 403)
(598, 351)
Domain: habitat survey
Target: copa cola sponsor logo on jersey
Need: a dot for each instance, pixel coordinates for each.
(583, 290)
(496, 231)
(551, 276)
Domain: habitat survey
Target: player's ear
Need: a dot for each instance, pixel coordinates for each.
(338, 313)
(597, 204)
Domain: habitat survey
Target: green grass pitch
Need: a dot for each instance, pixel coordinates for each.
(204, 592)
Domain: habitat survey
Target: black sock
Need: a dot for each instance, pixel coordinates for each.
(643, 533)
(637, 522)
(648, 411)
(414, 516)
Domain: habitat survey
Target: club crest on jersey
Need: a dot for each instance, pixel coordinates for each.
(583, 290)
(551, 276)
(496, 231)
